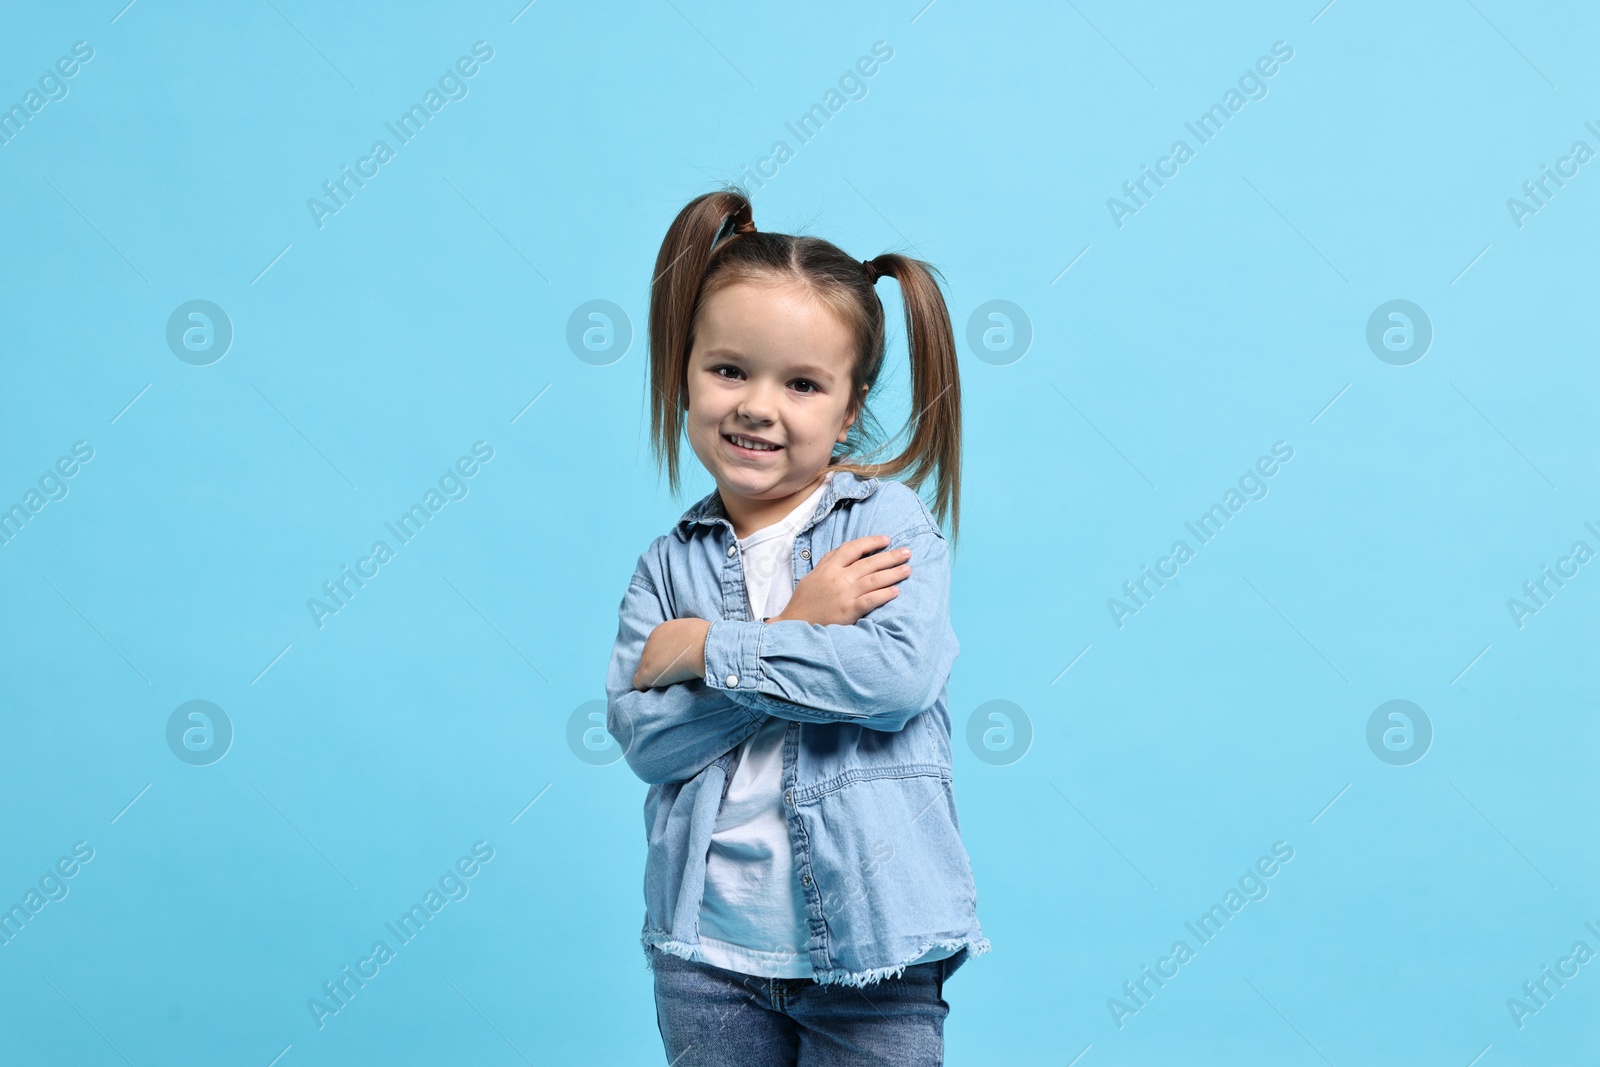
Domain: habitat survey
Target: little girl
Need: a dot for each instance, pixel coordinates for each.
(780, 667)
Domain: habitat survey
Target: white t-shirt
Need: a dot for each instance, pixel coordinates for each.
(753, 916)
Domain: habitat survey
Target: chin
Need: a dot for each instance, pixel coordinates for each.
(750, 483)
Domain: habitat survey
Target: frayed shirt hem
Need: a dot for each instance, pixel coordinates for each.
(664, 944)
(974, 946)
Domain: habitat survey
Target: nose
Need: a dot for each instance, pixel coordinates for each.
(756, 405)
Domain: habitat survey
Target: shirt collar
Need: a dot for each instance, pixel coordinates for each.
(844, 485)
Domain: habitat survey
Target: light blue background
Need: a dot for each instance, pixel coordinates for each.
(427, 314)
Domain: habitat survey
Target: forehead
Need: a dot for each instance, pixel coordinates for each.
(773, 321)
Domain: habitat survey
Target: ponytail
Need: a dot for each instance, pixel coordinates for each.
(674, 299)
(934, 449)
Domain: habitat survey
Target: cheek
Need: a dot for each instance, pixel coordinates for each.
(706, 409)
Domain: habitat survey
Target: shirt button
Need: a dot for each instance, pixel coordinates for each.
(805, 879)
(805, 553)
(788, 798)
(732, 680)
(732, 549)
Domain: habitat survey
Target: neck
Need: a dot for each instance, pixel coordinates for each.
(749, 515)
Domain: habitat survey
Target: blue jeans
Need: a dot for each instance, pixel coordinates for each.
(709, 1017)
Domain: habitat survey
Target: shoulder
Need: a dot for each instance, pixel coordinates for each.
(896, 509)
(652, 562)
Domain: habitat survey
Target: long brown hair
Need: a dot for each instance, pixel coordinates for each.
(697, 260)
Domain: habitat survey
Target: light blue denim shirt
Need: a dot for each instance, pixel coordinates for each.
(866, 759)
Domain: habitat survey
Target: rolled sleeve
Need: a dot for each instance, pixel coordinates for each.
(733, 654)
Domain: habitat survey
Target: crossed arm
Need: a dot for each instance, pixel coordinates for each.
(681, 692)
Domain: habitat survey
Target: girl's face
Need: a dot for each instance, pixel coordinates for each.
(771, 367)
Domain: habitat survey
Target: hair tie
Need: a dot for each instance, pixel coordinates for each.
(741, 220)
(873, 273)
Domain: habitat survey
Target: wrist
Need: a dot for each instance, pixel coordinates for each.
(697, 654)
(733, 653)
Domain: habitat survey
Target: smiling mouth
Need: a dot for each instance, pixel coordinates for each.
(750, 446)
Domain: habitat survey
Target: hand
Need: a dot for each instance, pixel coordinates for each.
(674, 652)
(847, 583)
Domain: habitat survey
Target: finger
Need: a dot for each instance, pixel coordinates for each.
(866, 583)
(879, 561)
(851, 551)
(877, 599)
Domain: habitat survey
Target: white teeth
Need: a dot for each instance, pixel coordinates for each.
(745, 442)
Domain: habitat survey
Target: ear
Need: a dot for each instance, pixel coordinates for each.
(850, 419)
